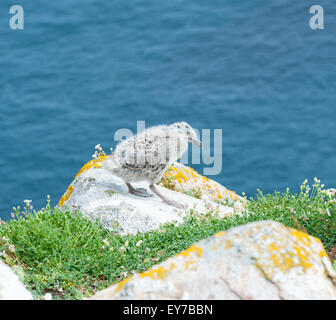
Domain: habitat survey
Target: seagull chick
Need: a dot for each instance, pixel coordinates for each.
(147, 155)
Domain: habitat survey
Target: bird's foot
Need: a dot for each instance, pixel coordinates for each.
(174, 204)
(141, 192)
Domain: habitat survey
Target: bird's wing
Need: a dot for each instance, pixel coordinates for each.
(145, 151)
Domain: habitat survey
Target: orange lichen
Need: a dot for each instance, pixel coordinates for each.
(188, 263)
(220, 234)
(286, 260)
(66, 196)
(303, 256)
(121, 284)
(301, 236)
(157, 272)
(272, 246)
(191, 249)
(93, 163)
(322, 254)
(228, 244)
(179, 176)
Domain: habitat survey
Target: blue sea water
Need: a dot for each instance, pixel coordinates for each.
(80, 70)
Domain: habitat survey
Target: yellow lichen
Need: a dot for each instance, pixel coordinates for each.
(191, 249)
(228, 244)
(188, 263)
(322, 254)
(301, 236)
(284, 259)
(93, 163)
(220, 234)
(272, 246)
(157, 272)
(66, 196)
(179, 176)
(120, 285)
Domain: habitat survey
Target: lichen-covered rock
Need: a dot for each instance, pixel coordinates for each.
(99, 194)
(185, 178)
(11, 288)
(261, 260)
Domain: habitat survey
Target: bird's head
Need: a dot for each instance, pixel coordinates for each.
(185, 129)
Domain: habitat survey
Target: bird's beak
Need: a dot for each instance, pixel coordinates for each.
(196, 142)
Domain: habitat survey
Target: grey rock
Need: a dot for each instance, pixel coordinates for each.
(261, 260)
(11, 288)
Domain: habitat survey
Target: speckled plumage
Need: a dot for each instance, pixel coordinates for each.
(147, 155)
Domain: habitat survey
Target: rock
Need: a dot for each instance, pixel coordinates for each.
(11, 288)
(260, 260)
(99, 194)
(186, 179)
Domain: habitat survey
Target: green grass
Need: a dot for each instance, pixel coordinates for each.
(71, 257)
(312, 210)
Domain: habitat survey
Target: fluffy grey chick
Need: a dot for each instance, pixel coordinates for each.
(147, 155)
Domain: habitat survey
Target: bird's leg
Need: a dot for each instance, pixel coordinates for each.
(165, 200)
(141, 192)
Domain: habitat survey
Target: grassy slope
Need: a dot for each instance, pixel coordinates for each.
(70, 256)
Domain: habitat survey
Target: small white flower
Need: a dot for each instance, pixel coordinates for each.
(47, 296)
(126, 243)
(106, 242)
(11, 248)
(27, 202)
(97, 146)
(139, 243)
(122, 249)
(330, 192)
(317, 180)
